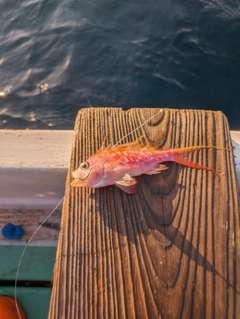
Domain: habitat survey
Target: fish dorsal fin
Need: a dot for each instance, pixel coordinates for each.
(140, 142)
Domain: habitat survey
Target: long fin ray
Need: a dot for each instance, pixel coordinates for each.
(185, 162)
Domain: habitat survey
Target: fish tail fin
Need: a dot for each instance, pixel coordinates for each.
(185, 162)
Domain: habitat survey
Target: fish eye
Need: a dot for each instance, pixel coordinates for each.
(84, 165)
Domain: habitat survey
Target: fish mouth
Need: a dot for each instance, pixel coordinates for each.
(75, 182)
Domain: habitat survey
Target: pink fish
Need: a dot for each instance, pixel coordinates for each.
(118, 165)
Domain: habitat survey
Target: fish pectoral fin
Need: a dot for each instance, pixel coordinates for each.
(126, 184)
(127, 180)
(127, 189)
(157, 169)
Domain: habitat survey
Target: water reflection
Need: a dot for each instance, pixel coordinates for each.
(56, 56)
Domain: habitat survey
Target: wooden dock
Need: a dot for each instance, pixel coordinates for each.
(171, 250)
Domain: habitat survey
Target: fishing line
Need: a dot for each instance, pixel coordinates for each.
(89, 103)
(160, 111)
(137, 128)
(26, 246)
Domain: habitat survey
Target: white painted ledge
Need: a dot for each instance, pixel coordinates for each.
(33, 168)
(235, 135)
(34, 164)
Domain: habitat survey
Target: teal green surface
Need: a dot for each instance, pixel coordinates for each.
(37, 263)
(35, 301)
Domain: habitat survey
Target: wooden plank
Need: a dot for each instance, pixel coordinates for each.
(171, 250)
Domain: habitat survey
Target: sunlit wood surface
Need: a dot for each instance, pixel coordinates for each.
(171, 250)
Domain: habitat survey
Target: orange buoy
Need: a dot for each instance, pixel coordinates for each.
(8, 308)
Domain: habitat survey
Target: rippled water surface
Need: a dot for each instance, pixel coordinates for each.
(57, 56)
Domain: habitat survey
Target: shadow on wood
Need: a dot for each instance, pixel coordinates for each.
(171, 250)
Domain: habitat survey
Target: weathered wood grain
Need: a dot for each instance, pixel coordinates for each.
(171, 250)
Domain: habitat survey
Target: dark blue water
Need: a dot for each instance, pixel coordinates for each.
(183, 54)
